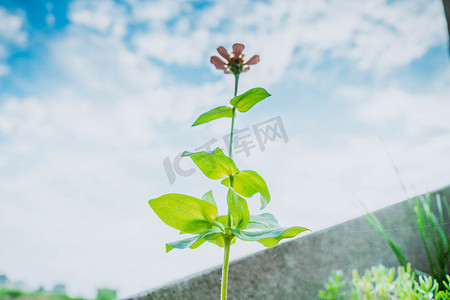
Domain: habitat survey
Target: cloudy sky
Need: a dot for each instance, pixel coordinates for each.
(97, 99)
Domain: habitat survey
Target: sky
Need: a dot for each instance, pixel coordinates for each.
(97, 99)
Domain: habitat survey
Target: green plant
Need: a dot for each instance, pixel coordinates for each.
(6, 293)
(14, 294)
(106, 294)
(333, 287)
(433, 232)
(200, 216)
(380, 283)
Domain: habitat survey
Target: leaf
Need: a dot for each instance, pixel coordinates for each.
(210, 198)
(215, 165)
(248, 99)
(213, 114)
(422, 223)
(268, 237)
(194, 245)
(219, 241)
(192, 242)
(373, 220)
(216, 239)
(435, 230)
(263, 221)
(185, 213)
(248, 183)
(196, 226)
(238, 209)
(222, 220)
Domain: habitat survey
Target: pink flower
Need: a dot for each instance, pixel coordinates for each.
(235, 62)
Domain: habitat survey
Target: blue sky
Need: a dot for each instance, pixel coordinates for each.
(95, 95)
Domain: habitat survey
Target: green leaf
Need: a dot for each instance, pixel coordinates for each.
(222, 220)
(215, 165)
(210, 198)
(193, 246)
(248, 99)
(216, 239)
(422, 223)
(373, 220)
(263, 221)
(192, 242)
(268, 237)
(238, 209)
(196, 226)
(186, 213)
(219, 241)
(248, 183)
(215, 113)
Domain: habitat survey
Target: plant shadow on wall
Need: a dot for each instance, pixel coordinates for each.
(200, 217)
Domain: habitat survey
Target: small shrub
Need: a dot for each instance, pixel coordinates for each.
(14, 294)
(380, 283)
(332, 287)
(10, 293)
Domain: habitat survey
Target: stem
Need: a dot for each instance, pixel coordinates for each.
(236, 81)
(228, 235)
(226, 259)
(230, 150)
(218, 225)
(233, 115)
(229, 214)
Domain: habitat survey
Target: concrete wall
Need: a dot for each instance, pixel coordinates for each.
(299, 268)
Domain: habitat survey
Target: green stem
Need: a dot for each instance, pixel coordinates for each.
(230, 150)
(236, 81)
(233, 115)
(226, 259)
(218, 225)
(228, 236)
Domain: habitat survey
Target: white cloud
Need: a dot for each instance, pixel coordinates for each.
(104, 16)
(157, 12)
(50, 17)
(3, 51)
(182, 49)
(4, 69)
(416, 112)
(12, 34)
(376, 36)
(395, 35)
(11, 28)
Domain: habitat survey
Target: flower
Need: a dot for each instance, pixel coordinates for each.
(235, 62)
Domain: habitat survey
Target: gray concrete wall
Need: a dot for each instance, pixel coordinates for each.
(299, 268)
